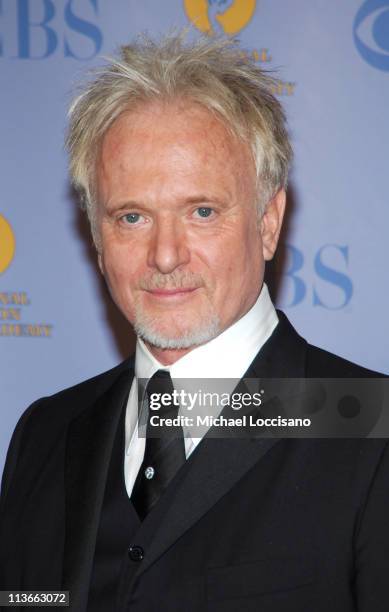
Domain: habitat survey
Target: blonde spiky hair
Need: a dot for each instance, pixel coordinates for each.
(211, 71)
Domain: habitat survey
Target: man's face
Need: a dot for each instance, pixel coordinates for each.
(181, 244)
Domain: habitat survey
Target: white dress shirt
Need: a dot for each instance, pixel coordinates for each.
(227, 356)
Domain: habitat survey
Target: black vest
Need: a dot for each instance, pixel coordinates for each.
(114, 566)
(118, 524)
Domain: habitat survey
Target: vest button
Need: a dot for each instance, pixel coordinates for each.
(136, 553)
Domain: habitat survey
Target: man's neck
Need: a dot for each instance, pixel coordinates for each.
(167, 356)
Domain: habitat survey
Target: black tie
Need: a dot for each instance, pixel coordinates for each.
(164, 455)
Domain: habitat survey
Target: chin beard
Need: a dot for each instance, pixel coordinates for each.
(147, 329)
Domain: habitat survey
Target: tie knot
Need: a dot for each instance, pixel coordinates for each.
(160, 393)
(160, 382)
(161, 375)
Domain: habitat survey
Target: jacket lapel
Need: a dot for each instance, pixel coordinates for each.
(282, 356)
(218, 464)
(213, 469)
(89, 446)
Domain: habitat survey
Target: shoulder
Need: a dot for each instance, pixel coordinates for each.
(318, 363)
(321, 363)
(44, 423)
(51, 415)
(93, 387)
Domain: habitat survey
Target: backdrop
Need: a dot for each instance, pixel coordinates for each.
(57, 325)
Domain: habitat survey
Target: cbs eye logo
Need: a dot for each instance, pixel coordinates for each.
(7, 244)
(371, 33)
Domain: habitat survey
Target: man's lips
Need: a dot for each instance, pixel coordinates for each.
(177, 291)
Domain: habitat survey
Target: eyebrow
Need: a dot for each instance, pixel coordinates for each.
(203, 198)
(129, 204)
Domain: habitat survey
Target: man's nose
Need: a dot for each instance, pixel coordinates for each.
(168, 247)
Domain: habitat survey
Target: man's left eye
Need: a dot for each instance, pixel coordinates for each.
(204, 212)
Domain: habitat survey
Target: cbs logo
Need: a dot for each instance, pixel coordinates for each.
(323, 281)
(371, 33)
(37, 29)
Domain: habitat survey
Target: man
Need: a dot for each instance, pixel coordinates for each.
(181, 154)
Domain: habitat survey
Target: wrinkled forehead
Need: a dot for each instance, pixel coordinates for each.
(173, 142)
(180, 121)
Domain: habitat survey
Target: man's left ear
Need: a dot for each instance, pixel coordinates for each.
(271, 223)
(100, 262)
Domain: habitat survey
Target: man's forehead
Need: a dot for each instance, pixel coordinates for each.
(186, 141)
(180, 123)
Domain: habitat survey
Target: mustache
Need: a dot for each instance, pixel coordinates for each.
(175, 280)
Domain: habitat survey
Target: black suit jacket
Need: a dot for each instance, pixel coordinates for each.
(249, 524)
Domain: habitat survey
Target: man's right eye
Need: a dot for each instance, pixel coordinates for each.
(131, 218)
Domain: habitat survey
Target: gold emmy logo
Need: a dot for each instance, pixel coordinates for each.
(220, 16)
(7, 244)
